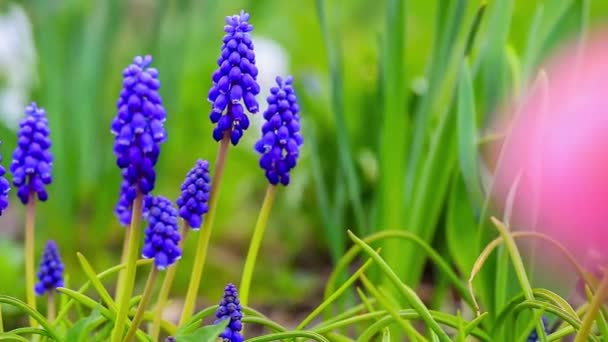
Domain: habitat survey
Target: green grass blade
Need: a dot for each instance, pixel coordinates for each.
(467, 136)
(31, 313)
(321, 307)
(408, 294)
(282, 336)
(385, 302)
(395, 124)
(334, 53)
(101, 290)
(435, 257)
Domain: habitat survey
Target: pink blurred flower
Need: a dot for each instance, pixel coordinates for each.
(559, 148)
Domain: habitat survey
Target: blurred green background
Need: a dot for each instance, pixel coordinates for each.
(79, 48)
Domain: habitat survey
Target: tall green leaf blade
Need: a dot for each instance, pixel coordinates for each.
(467, 136)
(395, 127)
(334, 53)
(79, 332)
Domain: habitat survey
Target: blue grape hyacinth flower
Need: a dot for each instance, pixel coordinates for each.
(124, 207)
(5, 187)
(50, 275)
(533, 337)
(281, 139)
(230, 308)
(32, 159)
(235, 81)
(139, 125)
(193, 200)
(162, 236)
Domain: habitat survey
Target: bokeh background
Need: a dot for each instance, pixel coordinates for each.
(67, 55)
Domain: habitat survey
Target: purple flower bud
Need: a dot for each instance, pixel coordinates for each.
(162, 236)
(32, 160)
(234, 82)
(230, 308)
(5, 187)
(139, 130)
(280, 143)
(50, 274)
(193, 201)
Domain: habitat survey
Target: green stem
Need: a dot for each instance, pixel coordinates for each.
(145, 299)
(593, 310)
(256, 241)
(1, 323)
(205, 234)
(30, 220)
(50, 307)
(123, 260)
(125, 294)
(165, 289)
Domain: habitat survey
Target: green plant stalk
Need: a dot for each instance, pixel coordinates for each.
(410, 296)
(30, 220)
(256, 241)
(69, 302)
(141, 309)
(1, 323)
(520, 270)
(334, 295)
(395, 128)
(123, 260)
(125, 295)
(165, 289)
(51, 309)
(407, 327)
(205, 234)
(594, 308)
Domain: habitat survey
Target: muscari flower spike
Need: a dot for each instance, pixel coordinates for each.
(139, 126)
(281, 139)
(230, 308)
(50, 275)
(194, 197)
(533, 337)
(5, 187)
(234, 81)
(162, 236)
(32, 159)
(124, 207)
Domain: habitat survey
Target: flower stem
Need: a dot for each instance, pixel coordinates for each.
(594, 308)
(256, 241)
(205, 233)
(124, 296)
(1, 322)
(50, 307)
(123, 259)
(163, 295)
(30, 220)
(145, 299)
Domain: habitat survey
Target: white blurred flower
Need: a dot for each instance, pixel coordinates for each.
(17, 63)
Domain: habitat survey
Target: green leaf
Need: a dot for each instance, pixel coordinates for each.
(334, 55)
(386, 335)
(79, 332)
(208, 333)
(461, 227)
(12, 337)
(408, 294)
(93, 278)
(467, 136)
(395, 127)
(31, 312)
